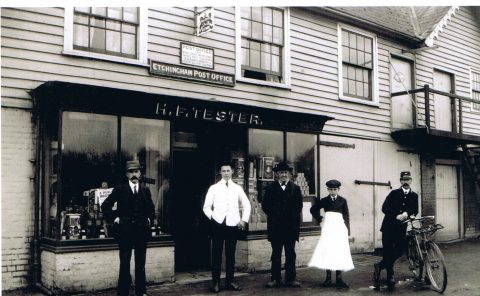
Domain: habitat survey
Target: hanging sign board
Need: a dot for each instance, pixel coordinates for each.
(199, 56)
(204, 21)
(164, 69)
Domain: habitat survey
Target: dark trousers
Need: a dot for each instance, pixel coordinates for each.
(290, 257)
(132, 237)
(394, 245)
(228, 235)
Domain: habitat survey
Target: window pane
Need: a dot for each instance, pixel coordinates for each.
(97, 38)
(129, 28)
(266, 149)
(368, 45)
(345, 85)
(257, 14)
(113, 41)
(245, 12)
(361, 58)
(88, 162)
(278, 18)
(128, 44)
(245, 57)
(82, 9)
(368, 60)
(115, 12)
(351, 87)
(353, 56)
(99, 11)
(130, 14)
(80, 35)
(266, 61)
(257, 30)
(278, 36)
(267, 33)
(267, 15)
(345, 54)
(360, 43)
(358, 74)
(345, 38)
(302, 156)
(147, 140)
(246, 28)
(352, 40)
(359, 90)
(113, 25)
(275, 50)
(276, 63)
(80, 19)
(255, 58)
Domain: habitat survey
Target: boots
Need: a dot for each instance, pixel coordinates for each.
(339, 283)
(328, 279)
(390, 280)
(376, 276)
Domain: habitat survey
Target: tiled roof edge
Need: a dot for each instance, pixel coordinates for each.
(440, 26)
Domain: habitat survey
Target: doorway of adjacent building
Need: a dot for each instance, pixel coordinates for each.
(198, 149)
(446, 180)
(443, 81)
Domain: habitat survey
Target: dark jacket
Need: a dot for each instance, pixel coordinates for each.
(129, 207)
(326, 203)
(395, 204)
(283, 209)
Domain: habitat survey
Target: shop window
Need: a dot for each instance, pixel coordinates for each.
(148, 141)
(88, 172)
(302, 157)
(265, 150)
(89, 166)
(475, 78)
(113, 33)
(357, 64)
(262, 45)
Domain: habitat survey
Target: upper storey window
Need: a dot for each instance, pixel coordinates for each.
(262, 42)
(476, 89)
(113, 33)
(357, 63)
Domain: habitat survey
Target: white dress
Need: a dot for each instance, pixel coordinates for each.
(333, 250)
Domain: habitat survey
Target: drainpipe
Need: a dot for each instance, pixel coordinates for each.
(37, 162)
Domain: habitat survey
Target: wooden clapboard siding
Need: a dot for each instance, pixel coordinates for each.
(458, 50)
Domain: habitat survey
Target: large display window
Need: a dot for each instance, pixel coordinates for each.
(89, 162)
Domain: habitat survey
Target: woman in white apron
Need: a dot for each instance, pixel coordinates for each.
(333, 250)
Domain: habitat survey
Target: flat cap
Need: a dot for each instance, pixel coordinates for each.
(333, 184)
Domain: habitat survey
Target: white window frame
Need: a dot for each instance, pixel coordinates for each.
(374, 82)
(285, 51)
(141, 41)
(477, 71)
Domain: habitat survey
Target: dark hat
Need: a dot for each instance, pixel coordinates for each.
(333, 184)
(133, 165)
(405, 175)
(282, 166)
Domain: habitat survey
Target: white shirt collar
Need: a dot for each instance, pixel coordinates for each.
(405, 191)
(132, 185)
(332, 197)
(280, 182)
(224, 182)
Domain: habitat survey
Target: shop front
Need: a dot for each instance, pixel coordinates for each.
(87, 133)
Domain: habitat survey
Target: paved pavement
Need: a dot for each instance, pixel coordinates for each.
(462, 259)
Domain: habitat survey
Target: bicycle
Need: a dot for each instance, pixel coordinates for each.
(422, 253)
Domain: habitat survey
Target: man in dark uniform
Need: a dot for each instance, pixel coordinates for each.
(332, 203)
(135, 212)
(283, 205)
(399, 205)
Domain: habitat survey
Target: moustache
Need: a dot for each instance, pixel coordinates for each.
(134, 178)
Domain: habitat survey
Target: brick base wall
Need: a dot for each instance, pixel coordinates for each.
(428, 197)
(254, 255)
(471, 206)
(98, 270)
(17, 196)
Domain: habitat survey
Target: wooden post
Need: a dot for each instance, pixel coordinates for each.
(460, 116)
(427, 105)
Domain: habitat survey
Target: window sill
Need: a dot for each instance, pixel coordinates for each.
(104, 57)
(263, 83)
(83, 245)
(360, 101)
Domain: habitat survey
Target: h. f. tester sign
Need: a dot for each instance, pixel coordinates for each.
(164, 69)
(207, 114)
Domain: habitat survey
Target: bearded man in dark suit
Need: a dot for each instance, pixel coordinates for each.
(283, 205)
(135, 211)
(399, 205)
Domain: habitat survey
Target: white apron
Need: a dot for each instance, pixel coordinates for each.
(333, 250)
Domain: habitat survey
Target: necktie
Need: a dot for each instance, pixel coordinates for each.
(333, 199)
(135, 189)
(226, 183)
(284, 183)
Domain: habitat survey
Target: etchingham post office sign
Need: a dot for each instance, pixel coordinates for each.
(177, 71)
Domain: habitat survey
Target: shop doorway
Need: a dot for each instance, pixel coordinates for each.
(197, 151)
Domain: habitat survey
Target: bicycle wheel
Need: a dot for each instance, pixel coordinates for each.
(414, 260)
(435, 267)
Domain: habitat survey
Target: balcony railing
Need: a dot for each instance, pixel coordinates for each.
(455, 100)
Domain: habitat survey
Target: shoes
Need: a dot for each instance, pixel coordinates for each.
(327, 283)
(340, 284)
(233, 287)
(390, 284)
(273, 284)
(294, 284)
(215, 288)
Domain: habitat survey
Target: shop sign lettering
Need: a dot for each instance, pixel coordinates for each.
(171, 70)
(204, 21)
(197, 56)
(200, 113)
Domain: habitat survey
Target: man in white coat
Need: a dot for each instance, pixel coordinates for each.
(222, 208)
